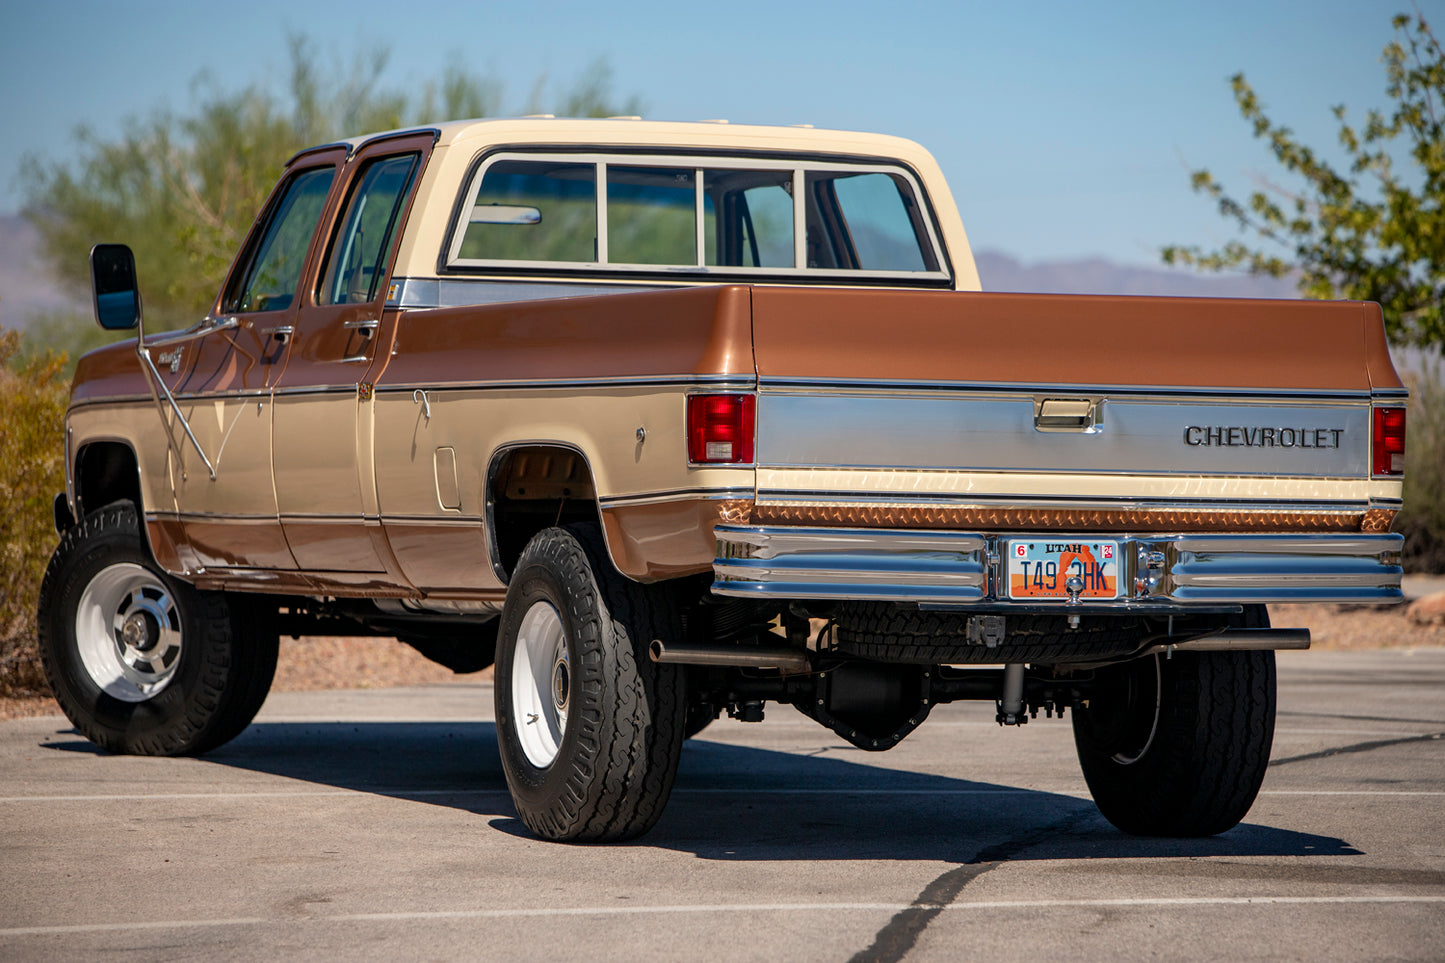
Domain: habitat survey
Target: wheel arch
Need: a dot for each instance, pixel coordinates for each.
(533, 485)
(107, 469)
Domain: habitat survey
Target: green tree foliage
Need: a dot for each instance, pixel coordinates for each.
(1371, 231)
(1422, 519)
(183, 188)
(31, 473)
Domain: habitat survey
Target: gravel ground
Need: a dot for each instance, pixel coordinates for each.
(372, 663)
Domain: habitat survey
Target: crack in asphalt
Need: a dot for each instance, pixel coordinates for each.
(899, 935)
(1357, 747)
(1341, 715)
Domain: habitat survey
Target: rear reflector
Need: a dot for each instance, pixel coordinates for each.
(1389, 441)
(720, 429)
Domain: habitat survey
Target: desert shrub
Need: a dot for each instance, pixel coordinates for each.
(32, 470)
(1422, 520)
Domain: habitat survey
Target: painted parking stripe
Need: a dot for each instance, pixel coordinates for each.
(716, 908)
(731, 791)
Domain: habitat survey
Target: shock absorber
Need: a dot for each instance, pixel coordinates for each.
(1011, 706)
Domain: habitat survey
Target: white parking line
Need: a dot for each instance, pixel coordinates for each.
(398, 793)
(517, 913)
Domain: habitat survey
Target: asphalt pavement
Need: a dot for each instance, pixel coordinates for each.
(376, 824)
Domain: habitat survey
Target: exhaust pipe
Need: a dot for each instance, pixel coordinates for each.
(1239, 640)
(753, 657)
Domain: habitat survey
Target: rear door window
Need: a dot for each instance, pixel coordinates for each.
(361, 249)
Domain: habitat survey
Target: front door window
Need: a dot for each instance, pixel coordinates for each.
(270, 279)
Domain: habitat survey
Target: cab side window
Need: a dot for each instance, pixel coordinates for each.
(533, 211)
(360, 250)
(269, 280)
(866, 221)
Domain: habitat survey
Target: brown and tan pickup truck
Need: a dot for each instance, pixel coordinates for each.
(672, 420)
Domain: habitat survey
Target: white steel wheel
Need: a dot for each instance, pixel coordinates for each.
(140, 662)
(589, 729)
(541, 684)
(128, 632)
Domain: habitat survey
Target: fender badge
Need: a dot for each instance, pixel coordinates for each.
(363, 390)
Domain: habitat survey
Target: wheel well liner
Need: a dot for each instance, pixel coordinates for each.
(105, 472)
(532, 486)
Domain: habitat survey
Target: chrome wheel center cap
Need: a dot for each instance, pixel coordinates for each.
(561, 682)
(136, 632)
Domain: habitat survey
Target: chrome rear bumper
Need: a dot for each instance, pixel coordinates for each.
(1157, 572)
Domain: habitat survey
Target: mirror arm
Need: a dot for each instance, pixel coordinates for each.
(207, 327)
(154, 379)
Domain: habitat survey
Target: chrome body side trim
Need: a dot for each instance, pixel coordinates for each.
(712, 382)
(680, 495)
(1158, 573)
(798, 384)
(423, 293)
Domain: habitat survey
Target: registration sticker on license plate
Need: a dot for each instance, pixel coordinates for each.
(1041, 569)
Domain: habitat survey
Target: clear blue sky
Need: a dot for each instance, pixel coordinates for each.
(1066, 129)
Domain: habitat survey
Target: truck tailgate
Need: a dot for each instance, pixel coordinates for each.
(1033, 412)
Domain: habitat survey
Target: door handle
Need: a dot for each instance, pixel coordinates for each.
(366, 327)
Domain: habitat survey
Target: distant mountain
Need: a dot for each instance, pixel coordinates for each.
(1000, 272)
(26, 287)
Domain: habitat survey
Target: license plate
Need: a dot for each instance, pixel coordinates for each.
(1041, 569)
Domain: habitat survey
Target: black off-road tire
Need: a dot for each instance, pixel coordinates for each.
(603, 767)
(1179, 746)
(885, 632)
(207, 676)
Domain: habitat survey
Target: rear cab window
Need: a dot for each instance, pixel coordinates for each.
(718, 218)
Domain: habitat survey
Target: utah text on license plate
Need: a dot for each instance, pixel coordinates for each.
(1040, 568)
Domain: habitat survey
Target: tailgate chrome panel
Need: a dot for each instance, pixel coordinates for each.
(970, 432)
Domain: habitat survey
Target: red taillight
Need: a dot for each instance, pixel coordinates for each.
(720, 429)
(1389, 441)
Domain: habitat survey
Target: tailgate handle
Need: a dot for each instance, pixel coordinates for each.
(1069, 414)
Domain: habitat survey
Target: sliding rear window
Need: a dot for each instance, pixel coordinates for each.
(705, 216)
